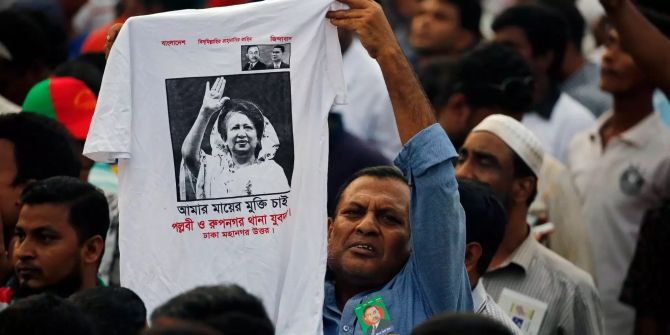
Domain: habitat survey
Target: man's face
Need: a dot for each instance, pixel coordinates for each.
(435, 26)
(9, 193)
(372, 316)
(47, 252)
(276, 55)
(368, 240)
(619, 73)
(253, 54)
(516, 39)
(486, 158)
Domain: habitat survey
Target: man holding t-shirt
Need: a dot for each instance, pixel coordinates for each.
(371, 257)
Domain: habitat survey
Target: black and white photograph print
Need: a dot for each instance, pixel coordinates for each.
(265, 57)
(232, 135)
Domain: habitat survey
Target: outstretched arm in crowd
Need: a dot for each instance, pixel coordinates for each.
(436, 217)
(640, 38)
(412, 110)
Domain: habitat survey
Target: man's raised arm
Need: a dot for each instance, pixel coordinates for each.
(412, 110)
(646, 44)
(436, 216)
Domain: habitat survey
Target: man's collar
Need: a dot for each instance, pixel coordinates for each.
(478, 296)
(522, 256)
(638, 135)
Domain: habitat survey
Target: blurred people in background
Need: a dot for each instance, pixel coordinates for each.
(621, 165)
(540, 35)
(44, 314)
(501, 152)
(112, 310)
(457, 324)
(579, 76)
(494, 79)
(226, 308)
(444, 28)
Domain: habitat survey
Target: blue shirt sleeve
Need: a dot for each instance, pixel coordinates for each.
(437, 221)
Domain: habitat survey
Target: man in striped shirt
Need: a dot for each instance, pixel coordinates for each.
(545, 293)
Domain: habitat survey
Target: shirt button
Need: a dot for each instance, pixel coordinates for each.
(345, 328)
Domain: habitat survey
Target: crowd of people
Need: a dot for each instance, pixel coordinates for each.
(507, 171)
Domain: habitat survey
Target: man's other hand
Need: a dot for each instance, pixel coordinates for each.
(367, 19)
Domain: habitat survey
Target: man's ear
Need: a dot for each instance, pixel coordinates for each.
(330, 227)
(522, 189)
(473, 251)
(92, 249)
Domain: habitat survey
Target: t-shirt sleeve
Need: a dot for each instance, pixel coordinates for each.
(109, 135)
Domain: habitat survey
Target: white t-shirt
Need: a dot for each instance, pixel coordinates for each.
(618, 184)
(247, 203)
(368, 114)
(568, 118)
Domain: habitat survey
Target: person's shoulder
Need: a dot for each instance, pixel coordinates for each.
(572, 110)
(563, 270)
(260, 65)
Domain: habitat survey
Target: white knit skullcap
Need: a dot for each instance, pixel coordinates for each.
(521, 140)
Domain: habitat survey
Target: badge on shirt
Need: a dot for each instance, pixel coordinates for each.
(526, 312)
(631, 181)
(373, 317)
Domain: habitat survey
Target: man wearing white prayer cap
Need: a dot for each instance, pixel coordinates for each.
(542, 292)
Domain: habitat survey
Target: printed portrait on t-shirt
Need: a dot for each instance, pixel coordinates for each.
(232, 136)
(265, 57)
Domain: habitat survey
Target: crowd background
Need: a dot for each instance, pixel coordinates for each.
(586, 142)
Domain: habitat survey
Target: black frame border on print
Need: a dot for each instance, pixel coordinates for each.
(243, 52)
(286, 151)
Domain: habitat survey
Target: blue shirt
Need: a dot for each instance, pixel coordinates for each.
(434, 280)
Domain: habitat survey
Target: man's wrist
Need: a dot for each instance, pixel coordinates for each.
(390, 53)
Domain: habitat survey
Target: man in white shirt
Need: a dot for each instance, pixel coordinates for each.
(621, 167)
(539, 34)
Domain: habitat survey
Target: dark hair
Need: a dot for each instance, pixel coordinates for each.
(437, 80)
(112, 310)
(485, 219)
(280, 47)
(42, 147)
(248, 109)
(470, 13)
(181, 328)
(24, 38)
(89, 212)
(43, 314)
(381, 172)
(458, 324)
(170, 5)
(545, 29)
(522, 170)
(494, 75)
(253, 46)
(227, 308)
(573, 17)
(83, 70)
